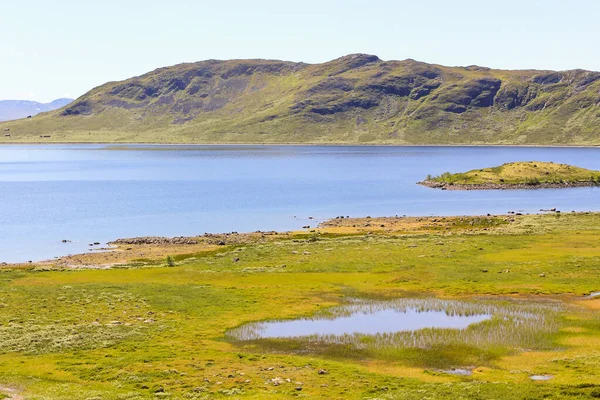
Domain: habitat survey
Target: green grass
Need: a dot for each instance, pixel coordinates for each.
(531, 173)
(60, 338)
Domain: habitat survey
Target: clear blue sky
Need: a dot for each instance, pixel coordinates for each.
(59, 48)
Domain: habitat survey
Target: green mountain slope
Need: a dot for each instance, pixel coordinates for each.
(354, 99)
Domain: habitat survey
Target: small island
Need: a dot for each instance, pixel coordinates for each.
(516, 175)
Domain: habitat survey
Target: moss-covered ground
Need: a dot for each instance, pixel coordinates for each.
(148, 330)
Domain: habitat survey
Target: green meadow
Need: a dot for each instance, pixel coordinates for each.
(152, 329)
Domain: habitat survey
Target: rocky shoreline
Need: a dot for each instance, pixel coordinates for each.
(506, 186)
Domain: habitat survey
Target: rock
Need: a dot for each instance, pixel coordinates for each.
(298, 388)
(276, 381)
(236, 259)
(322, 372)
(156, 240)
(542, 275)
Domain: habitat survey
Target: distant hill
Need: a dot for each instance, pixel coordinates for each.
(353, 99)
(16, 109)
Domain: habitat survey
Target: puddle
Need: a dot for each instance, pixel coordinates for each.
(540, 377)
(593, 295)
(416, 323)
(365, 322)
(457, 371)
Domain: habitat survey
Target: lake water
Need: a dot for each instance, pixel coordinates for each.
(88, 193)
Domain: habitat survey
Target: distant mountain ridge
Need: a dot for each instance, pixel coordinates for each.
(353, 99)
(16, 109)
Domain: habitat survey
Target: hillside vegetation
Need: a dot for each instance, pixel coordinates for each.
(354, 99)
(530, 173)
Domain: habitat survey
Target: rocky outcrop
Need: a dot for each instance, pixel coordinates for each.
(498, 186)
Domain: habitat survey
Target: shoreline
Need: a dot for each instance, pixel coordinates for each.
(144, 250)
(499, 186)
(340, 144)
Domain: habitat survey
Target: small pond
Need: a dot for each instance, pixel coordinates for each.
(420, 323)
(366, 322)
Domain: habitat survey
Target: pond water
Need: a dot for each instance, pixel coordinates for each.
(540, 377)
(416, 323)
(363, 322)
(97, 193)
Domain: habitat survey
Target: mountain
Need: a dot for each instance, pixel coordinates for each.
(353, 99)
(16, 109)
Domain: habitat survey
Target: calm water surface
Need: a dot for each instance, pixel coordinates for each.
(88, 193)
(364, 323)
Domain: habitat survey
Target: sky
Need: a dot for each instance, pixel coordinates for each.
(63, 48)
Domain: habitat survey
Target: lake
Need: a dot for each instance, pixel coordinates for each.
(97, 193)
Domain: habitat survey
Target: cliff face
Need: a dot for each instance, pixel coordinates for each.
(354, 99)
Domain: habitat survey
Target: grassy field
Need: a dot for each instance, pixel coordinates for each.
(530, 173)
(146, 330)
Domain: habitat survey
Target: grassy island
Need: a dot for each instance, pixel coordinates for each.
(517, 175)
